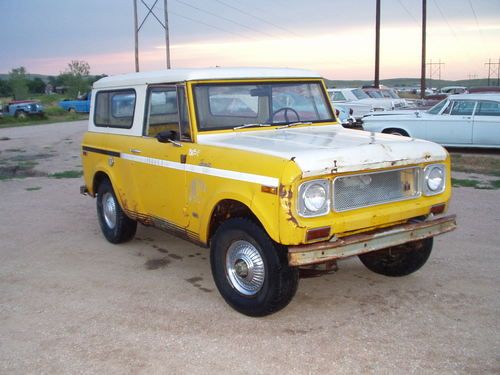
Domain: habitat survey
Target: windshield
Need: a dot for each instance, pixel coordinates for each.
(360, 94)
(437, 108)
(238, 105)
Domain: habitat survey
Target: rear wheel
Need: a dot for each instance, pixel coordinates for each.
(21, 115)
(399, 260)
(115, 225)
(250, 270)
(400, 132)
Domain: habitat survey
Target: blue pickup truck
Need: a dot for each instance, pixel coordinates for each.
(80, 105)
(22, 109)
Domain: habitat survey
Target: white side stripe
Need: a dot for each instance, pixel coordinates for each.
(224, 173)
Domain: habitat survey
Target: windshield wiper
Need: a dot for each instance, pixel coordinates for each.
(250, 126)
(294, 124)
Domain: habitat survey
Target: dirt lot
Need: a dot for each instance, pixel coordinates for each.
(72, 303)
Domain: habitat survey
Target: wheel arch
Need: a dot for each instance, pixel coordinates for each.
(399, 129)
(226, 209)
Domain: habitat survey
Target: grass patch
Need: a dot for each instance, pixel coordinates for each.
(67, 174)
(482, 164)
(12, 122)
(34, 188)
(483, 185)
(456, 182)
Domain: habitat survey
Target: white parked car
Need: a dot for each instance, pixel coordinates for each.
(357, 99)
(465, 120)
(389, 96)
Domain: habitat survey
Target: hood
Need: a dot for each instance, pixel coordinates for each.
(319, 150)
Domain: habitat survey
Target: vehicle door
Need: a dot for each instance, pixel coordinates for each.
(453, 125)
(159, 157)
(487, 123)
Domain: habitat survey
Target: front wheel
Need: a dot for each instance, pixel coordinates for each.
(399, 260)
(115, 225)
(250, 270)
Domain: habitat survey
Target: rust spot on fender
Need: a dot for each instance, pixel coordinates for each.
(286, 196)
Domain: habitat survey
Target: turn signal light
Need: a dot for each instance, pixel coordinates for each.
(317, 233)
(438, 209)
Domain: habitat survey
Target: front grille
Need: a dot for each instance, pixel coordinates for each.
(369, 189)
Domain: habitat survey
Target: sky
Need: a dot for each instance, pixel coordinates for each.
(333, 37)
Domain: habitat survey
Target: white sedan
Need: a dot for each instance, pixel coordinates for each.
(465, 120)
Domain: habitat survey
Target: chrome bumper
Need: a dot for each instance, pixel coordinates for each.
(356, 244)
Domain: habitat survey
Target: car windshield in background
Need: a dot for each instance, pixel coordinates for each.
(360, 94)
(229, 106)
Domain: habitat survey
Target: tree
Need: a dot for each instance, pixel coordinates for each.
(76, 77)
(18, 83)
(36, 85)
(5, 89)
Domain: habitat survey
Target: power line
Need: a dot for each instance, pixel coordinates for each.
(444, 18)
(222, 18)
(475, 17)
(210, 25)
(407, 11)
(256, 17)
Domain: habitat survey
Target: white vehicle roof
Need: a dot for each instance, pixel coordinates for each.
(479, 96)
(181, 75)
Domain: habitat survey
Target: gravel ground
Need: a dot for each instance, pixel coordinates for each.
(72, 303)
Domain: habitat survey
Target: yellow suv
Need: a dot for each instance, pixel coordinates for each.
(253, 164)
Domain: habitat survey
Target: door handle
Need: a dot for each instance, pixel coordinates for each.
(135, 151)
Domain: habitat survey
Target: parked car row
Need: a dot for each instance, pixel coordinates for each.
(362, 101)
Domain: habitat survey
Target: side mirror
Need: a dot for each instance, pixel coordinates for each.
(167, 136)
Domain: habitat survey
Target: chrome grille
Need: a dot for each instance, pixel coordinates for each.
(369, 189)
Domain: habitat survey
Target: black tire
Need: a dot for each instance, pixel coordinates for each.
(399, 260)
(20, 115)
(274, 283)
(72, 110)
(399, 132)
(115, 225)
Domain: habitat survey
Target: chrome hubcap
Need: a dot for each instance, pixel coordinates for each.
(245, 268)
(109, 210)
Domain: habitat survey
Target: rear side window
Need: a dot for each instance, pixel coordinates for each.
(488, 109)
(115, 109)
(462, 108)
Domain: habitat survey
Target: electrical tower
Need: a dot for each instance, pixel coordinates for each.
(137, 28)
(434, 68)
(493, 68)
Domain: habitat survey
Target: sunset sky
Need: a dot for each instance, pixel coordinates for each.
(333, 37)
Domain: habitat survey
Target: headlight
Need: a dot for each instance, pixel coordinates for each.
(434, 179)
(314, 198)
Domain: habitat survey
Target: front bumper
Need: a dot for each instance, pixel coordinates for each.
(356, 244)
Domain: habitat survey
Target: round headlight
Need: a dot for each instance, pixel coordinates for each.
(435, 179)
(315, 197)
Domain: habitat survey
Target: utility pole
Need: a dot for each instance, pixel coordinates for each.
(492, 69)
(138, 28)
(136, 37)
(167, 38)
(422, 73)
(377, 46)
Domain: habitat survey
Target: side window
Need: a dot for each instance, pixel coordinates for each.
(462, 108)
(164, 103)
(488, 109)
(115, 109)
